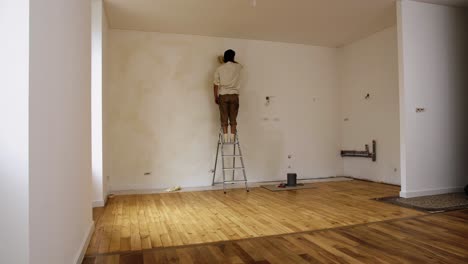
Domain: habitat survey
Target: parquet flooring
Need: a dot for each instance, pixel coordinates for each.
(437, 238)
(143, 222)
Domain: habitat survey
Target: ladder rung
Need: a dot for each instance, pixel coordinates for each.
(237, 168)
(235, 143)
(233, 156)
(235, 181)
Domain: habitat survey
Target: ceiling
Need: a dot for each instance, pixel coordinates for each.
(331, 23)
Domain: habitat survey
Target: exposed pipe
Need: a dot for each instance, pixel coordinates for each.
(362, 153)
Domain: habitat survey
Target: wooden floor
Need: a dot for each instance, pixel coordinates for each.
(437, 238)
(138, 222)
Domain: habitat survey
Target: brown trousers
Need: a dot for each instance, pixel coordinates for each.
(228, 108)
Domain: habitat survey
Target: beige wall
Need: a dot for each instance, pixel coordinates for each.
(162, 118)
(60, 218)
(370, 65)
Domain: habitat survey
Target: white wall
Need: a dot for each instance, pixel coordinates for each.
(162, 118)
(370, 66)
(99, 38)
(433, 71)
(60, 130)
(14, 63)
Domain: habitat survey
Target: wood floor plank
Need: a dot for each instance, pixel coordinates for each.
(165, 220)
(132, 258)
(89, 260)
(422, 242)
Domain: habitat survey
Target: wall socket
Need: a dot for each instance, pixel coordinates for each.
(420, 110)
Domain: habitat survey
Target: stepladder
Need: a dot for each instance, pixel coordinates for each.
(228, 162)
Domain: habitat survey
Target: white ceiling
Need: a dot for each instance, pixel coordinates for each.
(330, 23)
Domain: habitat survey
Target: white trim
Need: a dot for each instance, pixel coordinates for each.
(373, 180)
(411, 194)
(84, 245)
(140, 189)
(100, 203)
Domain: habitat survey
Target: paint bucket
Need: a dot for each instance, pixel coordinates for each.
(292, 179)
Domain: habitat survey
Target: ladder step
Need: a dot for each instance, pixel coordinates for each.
(230, 181)
(237, 168)
(229, 143)
(232, 156)
(235, 181)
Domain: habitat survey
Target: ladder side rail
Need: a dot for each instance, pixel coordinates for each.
(223, 166)
(216, 164)
(242, 164)
(234, 159)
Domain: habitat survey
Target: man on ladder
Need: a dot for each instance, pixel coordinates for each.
(226, 91)
(227, 80)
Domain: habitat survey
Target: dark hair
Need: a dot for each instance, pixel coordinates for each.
(229, 55)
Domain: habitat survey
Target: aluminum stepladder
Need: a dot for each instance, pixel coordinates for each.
(221, 145)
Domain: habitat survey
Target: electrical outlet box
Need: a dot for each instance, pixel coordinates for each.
(420, 110)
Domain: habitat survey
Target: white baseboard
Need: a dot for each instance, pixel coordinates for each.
(98, 204)
(84, 245)
(141, 189)
(418, 193)
(374, 180)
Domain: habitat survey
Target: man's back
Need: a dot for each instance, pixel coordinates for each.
(228, 77)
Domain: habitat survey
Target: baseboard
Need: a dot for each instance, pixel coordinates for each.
(84, 245)
(371, 180)
(368, 180)
(140, 189)
(98, 204)
(418, 193)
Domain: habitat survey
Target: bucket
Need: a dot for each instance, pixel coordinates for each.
(292, 179)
